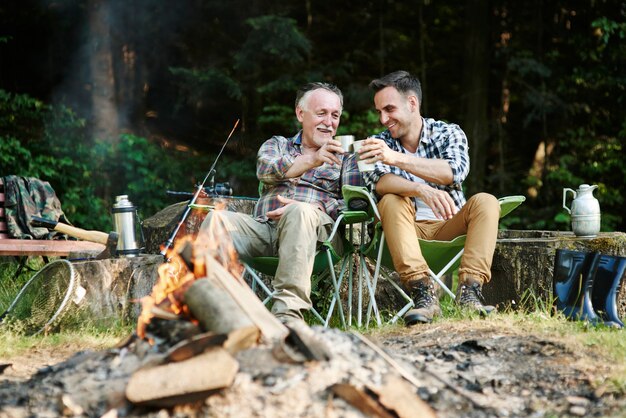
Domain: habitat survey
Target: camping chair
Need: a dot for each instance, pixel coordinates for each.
(326, 259)
(441, 256)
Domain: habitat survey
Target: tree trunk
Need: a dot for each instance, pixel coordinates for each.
(422, 49)
(105, 120)
(128, 62)
(476, 77)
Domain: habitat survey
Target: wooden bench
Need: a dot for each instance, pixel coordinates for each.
(45, 248)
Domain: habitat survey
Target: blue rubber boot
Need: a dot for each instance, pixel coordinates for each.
(605, 288)
(574, 274)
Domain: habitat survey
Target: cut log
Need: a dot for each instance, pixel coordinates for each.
(214, 308)
(271, 328)
(360, 400)
(400, 397)
(233, 342)
(183, 382)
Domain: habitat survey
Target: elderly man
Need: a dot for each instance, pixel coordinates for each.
(420, 165)
(301, 197)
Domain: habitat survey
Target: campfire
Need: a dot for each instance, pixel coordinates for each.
(186, 264)
(201, 286)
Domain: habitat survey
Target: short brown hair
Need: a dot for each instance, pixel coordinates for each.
(402, 81)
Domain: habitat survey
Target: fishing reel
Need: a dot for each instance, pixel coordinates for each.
(220, 189)
(216, 190)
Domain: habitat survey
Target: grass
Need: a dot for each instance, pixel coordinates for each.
(76, 331)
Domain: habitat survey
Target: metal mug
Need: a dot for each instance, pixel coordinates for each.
(346, 142)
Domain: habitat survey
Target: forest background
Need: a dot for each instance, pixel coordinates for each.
(109, 97)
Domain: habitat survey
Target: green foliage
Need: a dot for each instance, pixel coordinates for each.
(199, 85)
(556, 78)
(359, 124)
(48, 142)
(273, 40)
(571, 105)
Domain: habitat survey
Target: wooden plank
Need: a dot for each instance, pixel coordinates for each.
(48, 247)
(184, 381)
(360, 400)
(271, 328)
(398, 396)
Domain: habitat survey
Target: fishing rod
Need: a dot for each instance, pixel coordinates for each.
(170, 241)
(214, 196)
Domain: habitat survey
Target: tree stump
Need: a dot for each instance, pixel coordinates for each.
(158, 228)
(115, 286)
(523, 264)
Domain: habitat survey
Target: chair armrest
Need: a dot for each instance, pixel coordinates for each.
(350, 193)
(509, 203)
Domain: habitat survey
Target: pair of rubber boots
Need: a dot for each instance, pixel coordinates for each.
(586, 286)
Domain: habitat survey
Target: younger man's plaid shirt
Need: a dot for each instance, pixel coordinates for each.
(438, 140)
(321, 185)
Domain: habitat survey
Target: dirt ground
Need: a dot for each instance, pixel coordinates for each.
(470, 368)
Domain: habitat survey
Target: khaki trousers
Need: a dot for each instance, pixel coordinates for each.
(294, 239)
(478, 219)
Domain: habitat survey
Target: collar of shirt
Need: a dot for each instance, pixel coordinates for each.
(320, 186)
(438, 140)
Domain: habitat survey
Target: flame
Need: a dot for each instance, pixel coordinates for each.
(178, 274)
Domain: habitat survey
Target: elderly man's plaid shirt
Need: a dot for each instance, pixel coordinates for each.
(438, 140)
(321, 185)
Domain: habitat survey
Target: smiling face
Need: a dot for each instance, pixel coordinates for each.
(398, 112)
(319, 113)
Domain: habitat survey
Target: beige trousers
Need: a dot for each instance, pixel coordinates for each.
(294, 239)
(478, 219)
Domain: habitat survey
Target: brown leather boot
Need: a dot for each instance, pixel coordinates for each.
(426, 302)
(469, 296)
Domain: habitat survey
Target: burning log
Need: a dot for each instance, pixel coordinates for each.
(214, 308)
(185, 265)
(271, 328)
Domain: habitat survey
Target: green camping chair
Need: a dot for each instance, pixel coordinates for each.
(442, 256)
(326, 259)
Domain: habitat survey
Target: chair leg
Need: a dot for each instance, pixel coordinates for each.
(606, 286)
(337, 296)
(437, 277)
(256, 281)
(371, 283)
(350, 283)
(378, 273)
(404, 295)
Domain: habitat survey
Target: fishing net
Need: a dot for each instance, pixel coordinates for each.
(44, 299)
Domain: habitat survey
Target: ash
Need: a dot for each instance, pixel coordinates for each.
(480, 371)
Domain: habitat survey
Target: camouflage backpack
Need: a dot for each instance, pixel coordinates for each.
(26, 197)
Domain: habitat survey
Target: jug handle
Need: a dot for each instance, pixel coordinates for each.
(565, 190)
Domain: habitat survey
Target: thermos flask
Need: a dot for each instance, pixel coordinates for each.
(124, 215)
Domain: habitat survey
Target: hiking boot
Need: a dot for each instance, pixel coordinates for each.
(426, 303)
(469, 296)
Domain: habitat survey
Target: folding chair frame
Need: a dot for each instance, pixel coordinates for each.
(507, 204)
(325, 262)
